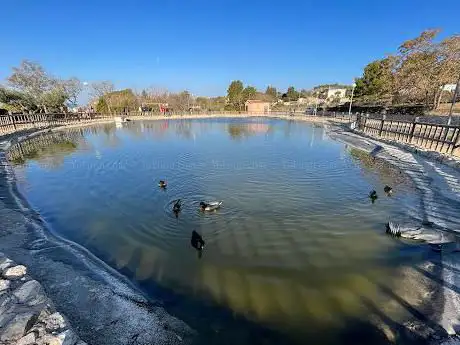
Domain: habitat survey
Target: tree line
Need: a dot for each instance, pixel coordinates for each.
(415, 74)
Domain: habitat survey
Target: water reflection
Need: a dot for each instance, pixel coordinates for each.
(238, 131)
(48, 150)
(296, 243)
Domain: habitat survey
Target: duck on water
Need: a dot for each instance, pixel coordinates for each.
(388, 190)
(177, 207)
(197, 241)
(373, 196)
(210, 206)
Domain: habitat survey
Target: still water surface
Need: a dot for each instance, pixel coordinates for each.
(297, 246)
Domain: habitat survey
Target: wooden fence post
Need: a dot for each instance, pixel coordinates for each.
(358, 121)
(365, 122)
(381, 125)
(12, 120)
(456, 142)
(414, 124)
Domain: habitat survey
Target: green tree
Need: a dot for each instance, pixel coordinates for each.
(16, 101)
(292, 94)
(234, 94)
(249, 92)
(98, 91)
(203, 102)
(54, 100)
(377, 80)
(271, 92)
(101, 106)
(217, 103)
(120, 101)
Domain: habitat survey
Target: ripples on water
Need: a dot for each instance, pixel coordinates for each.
(297, 241)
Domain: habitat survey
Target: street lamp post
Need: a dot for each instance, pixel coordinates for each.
(454, 98)
(351, 99)
(316, 103)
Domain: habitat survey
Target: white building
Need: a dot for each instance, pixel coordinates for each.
(449, 87)
(334, 93)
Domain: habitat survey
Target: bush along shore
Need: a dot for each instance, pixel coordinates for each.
(27, 315)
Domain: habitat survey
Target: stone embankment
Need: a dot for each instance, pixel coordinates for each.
(27, 315)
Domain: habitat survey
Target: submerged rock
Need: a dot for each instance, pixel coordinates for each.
(29, 339)
(65, 338)
(55, 322)
(4, 284)
(5, 263)
(30, 293)
(15, 272)
(18, 326)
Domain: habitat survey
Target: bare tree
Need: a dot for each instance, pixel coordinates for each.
(71, 88)
(45, 91)
(101, 89)
(31, 79)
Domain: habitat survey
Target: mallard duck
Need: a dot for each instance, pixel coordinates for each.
(210, 206)
(177, 206)
(197, 241)
(373, 196)
(162, 184)
(388, 189)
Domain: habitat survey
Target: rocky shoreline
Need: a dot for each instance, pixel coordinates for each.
(27, 315)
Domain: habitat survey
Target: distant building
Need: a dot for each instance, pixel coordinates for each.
(256, 106)
(449, 87)
(336, 93)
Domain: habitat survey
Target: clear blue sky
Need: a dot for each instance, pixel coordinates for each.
(201, 45)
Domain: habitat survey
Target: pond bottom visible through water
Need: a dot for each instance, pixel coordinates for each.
(297, 246)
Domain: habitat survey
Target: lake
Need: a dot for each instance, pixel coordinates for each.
(297, 249)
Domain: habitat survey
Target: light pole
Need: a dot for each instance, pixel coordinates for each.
(316, 103)
(351, 99)
(454, 98)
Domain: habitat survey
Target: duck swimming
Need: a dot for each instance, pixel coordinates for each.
(211, 206)
(177, 206)
(162, 184)
(373, 196)
(388, 189)
(197, 241)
